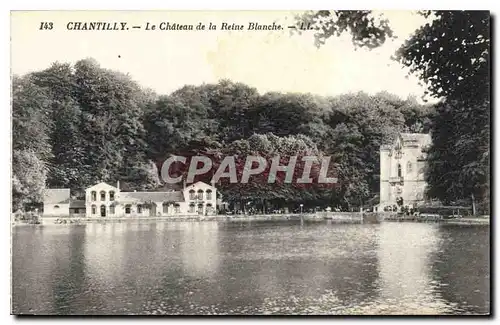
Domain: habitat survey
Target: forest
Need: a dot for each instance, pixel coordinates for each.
(74, 125)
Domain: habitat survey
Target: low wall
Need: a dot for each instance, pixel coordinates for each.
(470, 221)
(342, 217)
(381, 216)
(335, 217)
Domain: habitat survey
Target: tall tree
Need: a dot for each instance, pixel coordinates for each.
(30, 141)
(65, 129)
(452, 55)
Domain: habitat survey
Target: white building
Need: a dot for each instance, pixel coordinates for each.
(402, 167)
(104, 200)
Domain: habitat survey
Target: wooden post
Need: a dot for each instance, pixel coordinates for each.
(473, 204)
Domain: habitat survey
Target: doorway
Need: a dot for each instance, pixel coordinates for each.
(103, 210)
(152, 210)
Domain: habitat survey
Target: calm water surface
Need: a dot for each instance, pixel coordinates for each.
(250, 268)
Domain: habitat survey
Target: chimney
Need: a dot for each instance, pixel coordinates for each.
(118, 184)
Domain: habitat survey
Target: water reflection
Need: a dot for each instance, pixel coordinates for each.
(199, 248)
(461, 267)
(291, 268)
(250, 268)
(405, 269)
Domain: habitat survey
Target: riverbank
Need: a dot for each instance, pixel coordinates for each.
(470, 221)
(479, 220)
(336, 217)
(331, 217)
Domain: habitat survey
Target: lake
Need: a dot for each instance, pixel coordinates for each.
(206, 268)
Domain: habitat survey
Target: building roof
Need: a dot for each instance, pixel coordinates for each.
(102, 184)
(198, 184)
(56, 195)
(416, 138)
(169, 187)
(77, 204)
(173, 196)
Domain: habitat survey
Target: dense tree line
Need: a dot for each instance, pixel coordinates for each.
(75, 125)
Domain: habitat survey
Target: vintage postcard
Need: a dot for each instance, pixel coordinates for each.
(332, 162)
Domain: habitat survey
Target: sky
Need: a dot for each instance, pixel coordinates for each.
(167, 60)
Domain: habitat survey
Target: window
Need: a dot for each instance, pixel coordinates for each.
(111, 195)
(93, 196)
(127, 209)
(177, 208)
(103, 210)
(56, 207)
(399, 170)
(111, 209)
(139, 208)
(409, 167)
(93, 209)
(421, 167)
(165, 207)
(209, 209)
(103, 196)
(75, 211)
(209, 194)
(192, 195)
(398, 150)
(191, 208)
(200, 208)
(200, 194)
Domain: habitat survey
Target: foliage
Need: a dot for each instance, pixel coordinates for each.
(28, 178)
(459, 159)
(30, 117)
(365, 28)
(451, 54)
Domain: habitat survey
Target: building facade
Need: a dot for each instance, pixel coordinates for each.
(402, 165)
(104, 200)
